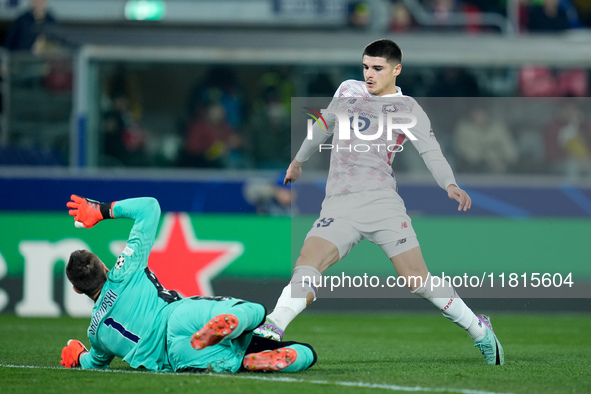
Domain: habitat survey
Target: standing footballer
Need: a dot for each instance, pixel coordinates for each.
(362, 201)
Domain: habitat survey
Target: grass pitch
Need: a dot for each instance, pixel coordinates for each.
(358, 353)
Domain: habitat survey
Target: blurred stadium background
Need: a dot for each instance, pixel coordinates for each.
(189, 101)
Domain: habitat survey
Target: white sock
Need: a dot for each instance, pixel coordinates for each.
(476, 330)
(300, 292)
(442, 294)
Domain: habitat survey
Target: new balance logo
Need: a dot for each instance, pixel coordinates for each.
(403, 225)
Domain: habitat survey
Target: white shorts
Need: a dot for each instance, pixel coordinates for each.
(378, 216)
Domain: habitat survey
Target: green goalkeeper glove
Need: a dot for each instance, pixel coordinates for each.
(71, 354)
(89, 212)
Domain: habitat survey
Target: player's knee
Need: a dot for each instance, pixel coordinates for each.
(434, 287)
(318, 253)
(416, 282)
(250, 315)
(308, 260)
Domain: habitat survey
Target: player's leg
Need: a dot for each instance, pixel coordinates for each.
(316, 256)
(411, 265)
(190, 315)
(264, 354)
(331, 237)
(229, 319)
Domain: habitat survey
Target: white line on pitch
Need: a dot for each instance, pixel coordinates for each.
(391, 387)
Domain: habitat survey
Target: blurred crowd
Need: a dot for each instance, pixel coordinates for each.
(488, 141)
(222, 128)
(532, 16)
(239, 117)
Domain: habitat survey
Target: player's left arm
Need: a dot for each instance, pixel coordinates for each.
(443, 174)
(455, 193)
(75, 355)
(95, 359)
(430, 151)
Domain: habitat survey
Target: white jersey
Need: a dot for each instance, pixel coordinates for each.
(359, 164)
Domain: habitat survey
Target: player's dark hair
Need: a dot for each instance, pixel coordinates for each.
(85, 272)
(385, 48)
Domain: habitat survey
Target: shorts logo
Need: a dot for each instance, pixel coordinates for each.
(403, 225)
(120, 262)
(400, 241)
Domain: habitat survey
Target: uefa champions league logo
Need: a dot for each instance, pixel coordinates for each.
(358, 124)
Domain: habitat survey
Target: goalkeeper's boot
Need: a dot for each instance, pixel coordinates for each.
(292, 358)
(214, 331)
(269, 330)
(489, 346)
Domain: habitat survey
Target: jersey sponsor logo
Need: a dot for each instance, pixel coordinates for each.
(363, 123)
(400, 241)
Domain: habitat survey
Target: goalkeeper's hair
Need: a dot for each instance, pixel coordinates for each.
(85, 271)
(385, 48)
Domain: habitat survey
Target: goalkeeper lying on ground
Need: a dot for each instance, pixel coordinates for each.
(136, 319)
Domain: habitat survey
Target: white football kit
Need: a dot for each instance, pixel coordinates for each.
(361, 199)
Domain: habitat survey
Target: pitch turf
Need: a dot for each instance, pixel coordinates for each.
(358, 353)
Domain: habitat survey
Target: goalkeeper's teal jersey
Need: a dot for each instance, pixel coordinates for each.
(130, 315)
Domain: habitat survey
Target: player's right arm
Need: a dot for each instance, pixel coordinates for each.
(144, 211)
(294, 171)
(311, 145)
(307, 149)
